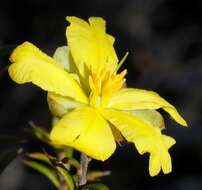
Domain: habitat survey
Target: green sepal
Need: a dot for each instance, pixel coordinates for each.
(40, 133)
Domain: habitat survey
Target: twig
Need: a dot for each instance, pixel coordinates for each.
(84, 161)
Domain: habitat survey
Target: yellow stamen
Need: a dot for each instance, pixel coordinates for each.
(103, 83)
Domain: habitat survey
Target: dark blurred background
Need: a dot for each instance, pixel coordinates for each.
(164, 38)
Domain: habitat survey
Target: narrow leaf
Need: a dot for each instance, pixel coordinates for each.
(69, 152)
(46, 171)
(40, 133)
(40, 156)
(67, 177)
(96, 175)
(73, 162)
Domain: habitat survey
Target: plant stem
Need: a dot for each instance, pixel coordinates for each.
(84, 161)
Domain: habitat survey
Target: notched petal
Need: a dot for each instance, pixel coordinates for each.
(29, 64)
(146, 138)
(90, 45)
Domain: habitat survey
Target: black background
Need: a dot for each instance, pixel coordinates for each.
(164, 38)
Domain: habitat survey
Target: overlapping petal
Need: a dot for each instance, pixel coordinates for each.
(60, 105)
(151, 117)
(132, 99)
(90, 45)
(62, 57)
(86, 130)
(145, 137)
(29, 64)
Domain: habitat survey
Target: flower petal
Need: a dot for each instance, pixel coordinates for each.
(87, 131)
(132, 99)
(145, 137)
(90, 45)
(61, 56)
(152, 117)
(29, 64)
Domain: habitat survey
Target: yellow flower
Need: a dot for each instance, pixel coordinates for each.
(87, 93)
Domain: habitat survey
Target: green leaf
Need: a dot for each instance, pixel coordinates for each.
(40, 133)
(95, 175)
(69, 152)
(73, 162)
(67, 177)
(76, 179)
(40, 156)
(46, 171)
(94, 186)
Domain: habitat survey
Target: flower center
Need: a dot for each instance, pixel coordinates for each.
(103, 84)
